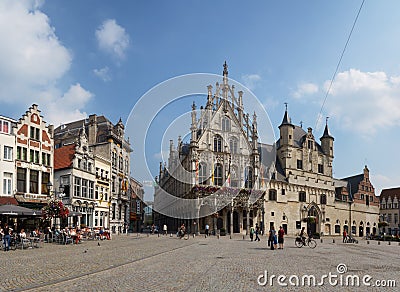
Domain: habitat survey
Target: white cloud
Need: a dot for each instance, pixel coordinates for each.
(32, 61)
(364, 101)
(381, 181)
(305, 89)
(112, 38)
(251, 80)
(102, 73)
(66, 108)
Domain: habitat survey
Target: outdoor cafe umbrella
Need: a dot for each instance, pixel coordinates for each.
(18, 211)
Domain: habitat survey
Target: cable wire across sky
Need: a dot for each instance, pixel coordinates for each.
(338, 64)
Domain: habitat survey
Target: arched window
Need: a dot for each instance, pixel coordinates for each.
(233, 145)
(226, 124)
(203, 175)
(218, 175)
(218, 143)
(248, 177)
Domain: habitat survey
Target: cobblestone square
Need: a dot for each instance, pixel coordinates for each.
(165, 263)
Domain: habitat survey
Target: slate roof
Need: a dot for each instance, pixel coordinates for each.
(353, 182)
(63, 156)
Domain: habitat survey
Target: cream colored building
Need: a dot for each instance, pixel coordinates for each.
(7, 160)
(225, 159)
(108, 146)
(102, 191)
(390, 210)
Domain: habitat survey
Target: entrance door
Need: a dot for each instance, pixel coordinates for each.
(313, 221)
(236, 227)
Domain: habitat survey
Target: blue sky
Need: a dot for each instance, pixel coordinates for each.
(75, 58)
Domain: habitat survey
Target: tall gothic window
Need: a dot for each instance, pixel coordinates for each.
(218, 175)
(218, 143)
(248, 176)
(226, 124)
(203, 176)
(233, 145)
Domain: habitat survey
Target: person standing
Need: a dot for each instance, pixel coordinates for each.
(257, 232)
(6, 237)
(344, 236)
(251, 233)
(273, 238)
(281, 233)
(207, 229)
(165, 229)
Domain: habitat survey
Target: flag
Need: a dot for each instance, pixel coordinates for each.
(212, 172)
(228, 179)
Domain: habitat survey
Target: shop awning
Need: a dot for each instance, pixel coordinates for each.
(18, 211)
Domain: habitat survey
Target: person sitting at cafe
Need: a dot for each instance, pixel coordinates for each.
(22, 234)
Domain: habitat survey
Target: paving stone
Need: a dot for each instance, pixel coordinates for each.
(131, 263)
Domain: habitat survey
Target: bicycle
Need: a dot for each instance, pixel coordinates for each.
(14, 243)
(183, 234)
(308, 241)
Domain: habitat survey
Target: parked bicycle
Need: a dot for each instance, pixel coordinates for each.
(14, 242)
(308, 241)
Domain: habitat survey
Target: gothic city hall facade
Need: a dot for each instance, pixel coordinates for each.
(224, 177)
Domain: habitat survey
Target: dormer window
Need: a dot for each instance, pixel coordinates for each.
(310, 144)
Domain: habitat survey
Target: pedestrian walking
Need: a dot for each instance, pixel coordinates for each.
(257, 232)
(165, 229)
(281, 233)
(252, 231)
(6, 237)
(273, 238)
(344, 236)
(207, 229)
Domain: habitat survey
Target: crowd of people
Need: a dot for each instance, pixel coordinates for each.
(63, 235)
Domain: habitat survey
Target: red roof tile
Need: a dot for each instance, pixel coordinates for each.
(386, 193)
(8, 200)
(63, 156)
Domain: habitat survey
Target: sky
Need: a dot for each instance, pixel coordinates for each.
(75, 58)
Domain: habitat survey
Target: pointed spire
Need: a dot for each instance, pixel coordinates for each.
(326, 131)
(225, 72)
(286, 120)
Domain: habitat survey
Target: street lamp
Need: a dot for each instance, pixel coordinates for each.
(60, 193)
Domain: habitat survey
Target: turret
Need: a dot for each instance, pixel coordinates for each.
(327, 141)
(286, 130)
